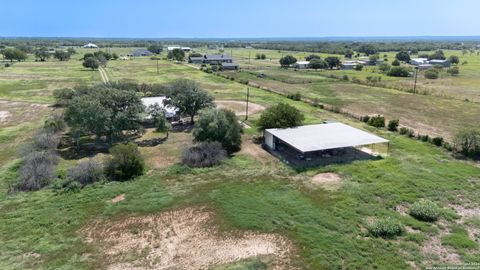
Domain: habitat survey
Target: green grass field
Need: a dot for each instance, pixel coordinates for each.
(252, 190)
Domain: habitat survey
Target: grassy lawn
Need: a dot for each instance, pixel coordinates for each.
(252, 190)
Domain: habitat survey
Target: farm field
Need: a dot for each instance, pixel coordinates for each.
(464, 86)
(251, 199)
(423, 113)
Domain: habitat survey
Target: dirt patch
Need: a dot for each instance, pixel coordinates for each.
(4, 115)
(180, 239)
(118, 198)
(433, 246)
(14, 113)
(329, 181)
(239, 107)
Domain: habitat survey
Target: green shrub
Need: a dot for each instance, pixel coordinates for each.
(393, 125)
(423, 138)
(297, 96)
(467, 142)
(431, 74)
(281, 115)
(453, 71)
(425, 210)
(365, 118)
(219, 125)
(386, 228)
(438, 141)
(399, 71)
(377, 121)
(345, 77)
(126, 162)
(407, 132)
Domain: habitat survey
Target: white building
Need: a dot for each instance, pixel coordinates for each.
(185, 49)
(320, 137)
(301, 64)
(90, 46)
(170, 111)
(418, 61)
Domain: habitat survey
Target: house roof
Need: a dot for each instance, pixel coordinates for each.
(199, 58)
(141, 51)
(214, 57)
(302, 62)
(325, 136)
(230, 65)
(438, 61)
(90, 45)
(170, 111)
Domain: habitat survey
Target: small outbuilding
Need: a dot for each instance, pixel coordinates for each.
(319, 141)
(301, 64)
(230, 66)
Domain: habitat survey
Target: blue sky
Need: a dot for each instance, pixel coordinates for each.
(238, 18)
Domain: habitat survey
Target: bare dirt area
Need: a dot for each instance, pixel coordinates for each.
(180, 239)
(328, 181)
(239, 106)
(433, 246)
(14, 112)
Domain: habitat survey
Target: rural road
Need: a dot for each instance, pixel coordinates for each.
(103, 74)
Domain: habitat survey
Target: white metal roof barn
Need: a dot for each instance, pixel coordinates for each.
(321, 137)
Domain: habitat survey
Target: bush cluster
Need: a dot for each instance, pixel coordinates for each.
(125, 163)
(393, 125)
(204, 154)
(407, 132)
(425, 210)
(377, 121)
(297, 96)
(386, 228)
(39, 161)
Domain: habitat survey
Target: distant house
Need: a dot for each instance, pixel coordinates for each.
(425, 66)
(217, 59)
(436, 62)
(141, 52)
(185, 49)
(196, 60)
(212, 47)
(349, 65)
(301, 64)
(418, 61)
(123, 58)
(90, 46)
(230, 66)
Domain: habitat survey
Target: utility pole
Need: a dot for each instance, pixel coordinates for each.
(246, 111)
(157, 66)
(415, 83)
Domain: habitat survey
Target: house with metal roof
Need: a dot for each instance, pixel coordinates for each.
(141, 52)
(443, 63)
(217, 59)
(418, 61)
